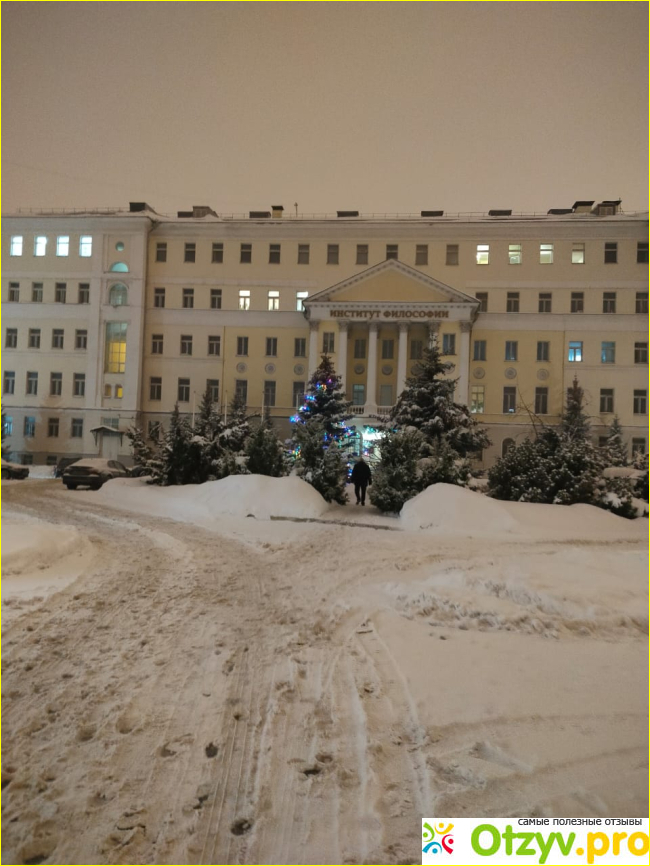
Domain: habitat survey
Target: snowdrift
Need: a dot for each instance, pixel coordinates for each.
(448, 508)
(32, 547)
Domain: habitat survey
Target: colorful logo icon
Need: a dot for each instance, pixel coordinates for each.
(438, 839)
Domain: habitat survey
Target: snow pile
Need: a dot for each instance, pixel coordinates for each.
(41, 471)
(452, 509)
(30, 547)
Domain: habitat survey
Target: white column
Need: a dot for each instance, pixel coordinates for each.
(402, 351)
(462, 386)
(313, 347)
(434, 329)
(342, 357)
(371, 380)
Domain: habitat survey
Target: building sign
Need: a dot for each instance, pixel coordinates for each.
(389, 314)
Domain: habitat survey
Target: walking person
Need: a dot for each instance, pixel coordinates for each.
(361, 477)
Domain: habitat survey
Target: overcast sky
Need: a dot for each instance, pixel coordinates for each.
(381, 107)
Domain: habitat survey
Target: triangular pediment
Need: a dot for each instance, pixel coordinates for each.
(391, 281)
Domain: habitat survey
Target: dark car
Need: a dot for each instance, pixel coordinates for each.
(62, 464)
(92, 472)
(14, 470)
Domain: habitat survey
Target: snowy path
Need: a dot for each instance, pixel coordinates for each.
(277, 695)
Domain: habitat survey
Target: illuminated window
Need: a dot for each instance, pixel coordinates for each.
(85, 246)
(117, 295)
(244, 299)
(274, 300)
(119, 268)
(119, 246)
(40, 245)
(115, 353)
(477, 399)
(575, 351)
(482, 254)
(29, 427)
(546, 254)
(118, 392)
(578, 254)
(607, 353)
(514, 254)
(63, 245)
(300, 297)
(16, 248)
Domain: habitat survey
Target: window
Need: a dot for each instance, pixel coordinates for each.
(422, 254)
(241, 390)
(509, 399)
(269, 393)
(274, 254)
(602, 441)
(11, 338)
(108, 391)
(297, 394)
(514, 254)
(117, 295)
(607, 353)
(545, 302)
(362, 254)
(161, 251)
(543, 350)
(512, 302)
(244, 299)
(56, 384)
(212, 387)
(14, 292)
(183, 391)
(575, 351)
(217, 254)
(188, 299)
(53, 427)
(641, 258)
(387, 349)
(78, 384)
(118, 392)
(451, 256)
(449, 344)
(477, 399)
(37, 293)
(115, 355)
(416, 350)
(482, 298)
(358, 395)
(640, 402)
(215, 299)
(59, 293)
(9, 382)
(609, 302)
(245, 254)
(607, 400)
(541, 401)
(392, 251)
(157, 344)
(16, 248)
(638, 447)
(214, 345)
(119, 268)
(77, 428)
(34, 338)
(360, 348)
(242, 345)
(63, 245)
(40, 245)
(482, 254)
(159, 298)
(29, 427)
(85, 246)
(84, 293)
(480, 350)
(332, 254)
(300, 297)
(186, 344)
(8, 425)
(300, 347)
(273, 300)
(190, 252)
(32, 384)
(640, 353)
(328, 342)
(641, 302)
(385, 395)
(578, 254)
(154, 430)
(81, 339)
(512, 347)
(57, 338)
(546, 254)
(577, 302)
(155, 387)
(272, 346)
(303, 254)
(611, 253)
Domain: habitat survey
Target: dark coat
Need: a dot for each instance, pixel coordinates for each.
(361, 473)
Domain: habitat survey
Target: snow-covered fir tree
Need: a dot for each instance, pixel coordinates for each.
(395, 480)
(143, 452)
(615, 452)
(174, 465)
(265, 452)
(575, 424)
(236, 427)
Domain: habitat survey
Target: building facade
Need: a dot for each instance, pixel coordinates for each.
(111, 318)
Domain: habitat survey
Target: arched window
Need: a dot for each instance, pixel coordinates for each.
(506, 445)
(117, 295)
(120, 267)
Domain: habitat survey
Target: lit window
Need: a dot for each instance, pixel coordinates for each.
(63, 245)
(299, 347)
(119, 391)
(546, 254)
(509, 399)
(543, 350)
(609, 302)
(272, 346)
(514, 254)
(545, 302)
(578, 254)
(577, 302)
(29, 427)
(16, 248)
(332, 254)
(512, 302)
(541, 401)
(115, 352)
(85, 246)
(274, 300)
(119, 268)
(119, 246)
(607, 353)
(214, 345)
(7, 425)
(512, 347)
(117, 295)
(611, 253)
(482, 254)
(575, 351)
(477, 399)
(244, 299)
(274, 254)
(40, 245)
(607, 400)
(300, 297)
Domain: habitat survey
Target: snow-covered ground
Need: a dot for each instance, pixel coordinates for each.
(188, 680)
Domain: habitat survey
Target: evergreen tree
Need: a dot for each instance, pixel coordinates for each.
(207, 446)
(174, 466)
(395, 480)
(236, 429)
(143, 453)
(615, 452)
(575, 424)
(265, 452)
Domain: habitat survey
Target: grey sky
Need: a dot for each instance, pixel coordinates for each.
(382, 107)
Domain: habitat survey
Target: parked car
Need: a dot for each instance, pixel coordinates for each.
(14, 470)
(62, 464)
(92, 472)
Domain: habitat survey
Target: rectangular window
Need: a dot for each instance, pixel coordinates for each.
(360, 348)
(297, 394)
(77, 428)
(611, 253)
(183, 395)
(392, 251)
(578, 254)
(541, 401)
(188, 299)
(34, 338)
(328, 342)
(273, 300)
(607, 400)
(29, 427)
(217, 254)
(14, 293)
(81, 339)
(362, 254)
(509, 399)
(482, 298)
(577, 302)
(161, 251)
(303, 254)
(84, 293)
(416, 350)
(607, 353)
(119, 392)
(245, 254)
(63, 245)
(545, 302)
(157, 344)
(609, 302)
(155, 387)
(85, 246)
(512, 302)
(40, 245)
(543, 350)
(8, 425)
(477, 399)
(214, 345)
(482, 254)
(244, 299)
(9, 382)
(53, 428)
(451, 255)
(57, 338)
(159, 298)
(422, 254)
(108, 390)
(387, 349)
(154, 430)
(641, 258)
(186, 344)
(300, 347)
(546, 254)
(358, 395)
(638, 447)
(449, 344)
(269, 393)
(641, 302)
(242, 345)
(640, 402)
(575, 351)
(332, 254)
(512, 347)
(272, 347)
(56, 384)
(386, 395)
(115, 351)
(480, 350)
(32, 384)
(212, 387)
(78, 384)
(37, 293)
(60, 291)
(241, 390)
(215, 299)
(640, 353)
(190, 252)
(11, 338)
(274, 254)
(300, 297)
(16, 248)
(514, 254)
